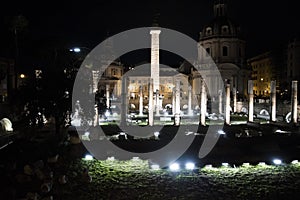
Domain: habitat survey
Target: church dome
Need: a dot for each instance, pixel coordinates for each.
(221, 25)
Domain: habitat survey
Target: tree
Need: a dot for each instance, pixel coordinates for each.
(18, 25)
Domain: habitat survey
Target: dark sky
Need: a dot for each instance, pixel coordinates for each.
(85, 23)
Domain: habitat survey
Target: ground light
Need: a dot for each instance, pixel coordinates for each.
(190, 166)
(277, 161)
(88, 157)
(221, 132)
(295, 162)
(246, 165)
(225, 164)
(156, 134)
(174, 167)
(262, 164)
(208, 166)
(155, 167)
(112, 158)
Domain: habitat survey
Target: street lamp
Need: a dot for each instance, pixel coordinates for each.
(79, 49)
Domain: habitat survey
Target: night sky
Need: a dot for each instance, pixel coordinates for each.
(265, 24)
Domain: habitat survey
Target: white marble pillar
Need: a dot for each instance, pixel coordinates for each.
(155, 58)
(173, 101)
(96, 117)
(273, 101)
(95, 80)
(157, 102)
(177, 103)
(294, 102)
(124, 101)
(203, 104)
(227, 107)
(107, 96)
(251, 106)
(150, 104)
(220, 102)
(234, 99)
(190, 111)
(141, 101)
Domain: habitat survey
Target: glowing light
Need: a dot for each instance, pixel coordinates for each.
(112, 158)
(189, 166)
(221, 132)
(174, 167)
(107, 113)
(261, 164)
(246, 165)
(88, 157)
(87, 134)
(225, 164)
(295, 162)
(208, 166)
(277, 161)
(156, 134)
(22, 76)
(77, 50)
(155, 167)
(135, 159)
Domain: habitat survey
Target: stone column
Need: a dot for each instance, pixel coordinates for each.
(234, 99)
(141, 100)
(95, 80)
(294, 102)
(220, 102)
(124, 101)
(173, 101)
(155, 58)
(203, 104)
(190, 112)
(157, 102)
(227, 107)
(250, 108)
(177, 103)
(107, 96)
(96, 118)
(150, 106)
(273, 101)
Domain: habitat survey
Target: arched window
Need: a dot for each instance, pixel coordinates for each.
(225, 51)
(224, 29)
(207, 51)
(208, 31)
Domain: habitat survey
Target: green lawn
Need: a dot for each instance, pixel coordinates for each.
(134, 180)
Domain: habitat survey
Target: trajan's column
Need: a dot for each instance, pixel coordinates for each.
(155, 58)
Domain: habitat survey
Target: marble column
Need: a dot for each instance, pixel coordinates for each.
(190, 111)
(141, 101)
(150, 104)
(273, 101)
(155, 58)
(173, 101)
(124, 101)
(177, 103)
(96, 118)
(227, 107)
(234, 99)
(220, 102)
(203, 104)
(251, 106)
(107, 96)
(157, 102)
(294, 102)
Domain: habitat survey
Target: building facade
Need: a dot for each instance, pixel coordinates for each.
(221, 40)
